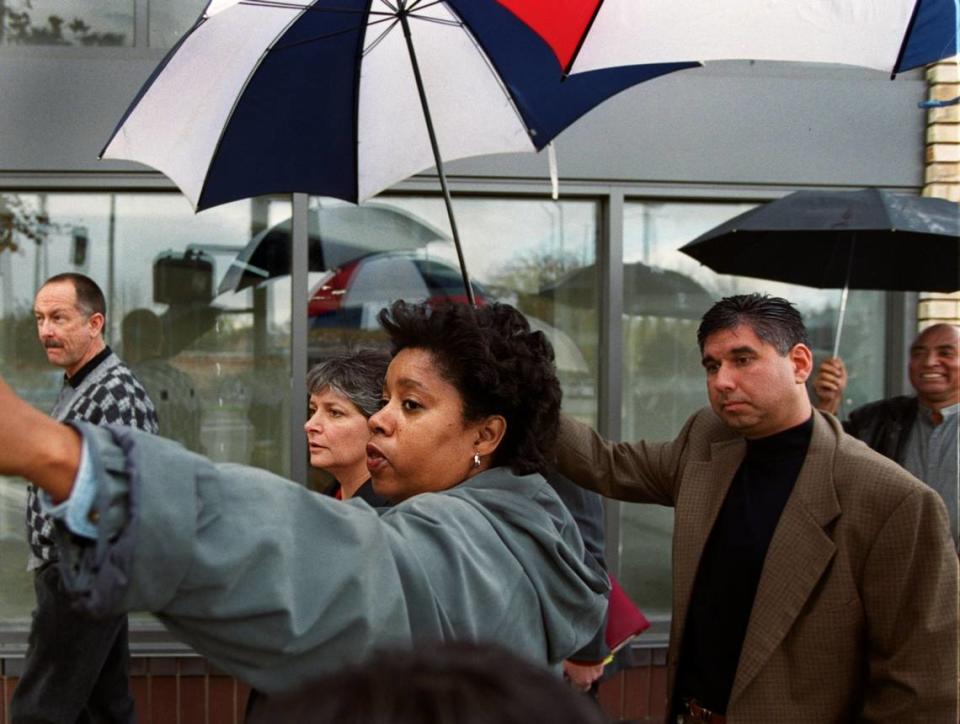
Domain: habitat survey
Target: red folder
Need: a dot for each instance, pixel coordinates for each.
(624, 619)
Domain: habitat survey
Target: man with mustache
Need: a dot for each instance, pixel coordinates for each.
(918, 431)
(814, 580)
(76, 667)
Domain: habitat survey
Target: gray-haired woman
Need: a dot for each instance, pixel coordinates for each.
(345, 391)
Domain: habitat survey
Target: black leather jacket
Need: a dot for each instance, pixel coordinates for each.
(884, 425)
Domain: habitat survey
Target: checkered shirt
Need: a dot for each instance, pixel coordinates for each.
(108, 395)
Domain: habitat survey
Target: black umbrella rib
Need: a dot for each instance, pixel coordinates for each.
(438, 21)
(313, 8)
(423, 5)
(325, 36)
(380, 37)
(297, 6)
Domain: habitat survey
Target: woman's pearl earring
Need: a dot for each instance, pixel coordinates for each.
(476, 459)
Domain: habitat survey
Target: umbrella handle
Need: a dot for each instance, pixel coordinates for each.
(840, 315)
(843, 298)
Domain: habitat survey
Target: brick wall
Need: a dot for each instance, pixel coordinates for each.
(167, 690)
(187, 690)
(942, 178)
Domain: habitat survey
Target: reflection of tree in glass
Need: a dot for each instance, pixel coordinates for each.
(19, 220)
(533, 271)
(18, 28)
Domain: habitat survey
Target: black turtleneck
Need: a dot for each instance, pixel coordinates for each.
(729, 571)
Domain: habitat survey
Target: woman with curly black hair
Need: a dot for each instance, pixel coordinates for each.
(481, 365)
(478, 546)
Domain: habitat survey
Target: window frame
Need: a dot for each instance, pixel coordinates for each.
(148, 637)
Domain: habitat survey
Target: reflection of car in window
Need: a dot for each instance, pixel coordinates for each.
(352, 295)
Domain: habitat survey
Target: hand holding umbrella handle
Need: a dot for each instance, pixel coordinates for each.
(36, 447)
(829, 384)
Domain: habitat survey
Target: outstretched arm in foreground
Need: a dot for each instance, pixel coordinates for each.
(35, 447)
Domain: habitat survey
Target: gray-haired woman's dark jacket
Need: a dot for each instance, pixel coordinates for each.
(233, 560)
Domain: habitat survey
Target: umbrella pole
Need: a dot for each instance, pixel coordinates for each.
(404, 21)
(843, 298)
(843, 310)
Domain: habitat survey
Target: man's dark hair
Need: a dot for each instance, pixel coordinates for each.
(444, 683)
(773, 319)
(89, 296)
(497, 364)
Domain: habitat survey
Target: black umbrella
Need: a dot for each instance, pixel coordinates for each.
(867, 239)
(337, 235)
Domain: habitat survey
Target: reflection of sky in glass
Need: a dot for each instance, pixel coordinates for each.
(102, 16)
(169, 19)
(495, 231)
(654, 231)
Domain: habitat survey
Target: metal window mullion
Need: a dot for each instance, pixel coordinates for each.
(300, 259)
(610, 372)
(901, 328)
(141, 23)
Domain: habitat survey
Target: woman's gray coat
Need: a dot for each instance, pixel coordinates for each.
(276, 584)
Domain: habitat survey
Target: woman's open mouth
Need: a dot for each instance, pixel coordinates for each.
(375, 458)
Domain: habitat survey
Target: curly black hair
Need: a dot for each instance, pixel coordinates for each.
(497, 364)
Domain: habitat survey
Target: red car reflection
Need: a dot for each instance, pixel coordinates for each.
(352, 295)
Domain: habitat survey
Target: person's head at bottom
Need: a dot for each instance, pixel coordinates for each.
(450, 683)
(468, 389)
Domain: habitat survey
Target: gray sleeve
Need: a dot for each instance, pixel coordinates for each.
(216, 552)
(586, 507)
(276, 584)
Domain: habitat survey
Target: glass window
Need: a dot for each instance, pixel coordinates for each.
(665, 294)
(214, 359)
(170, 19)
(67, 22)
(537, 255)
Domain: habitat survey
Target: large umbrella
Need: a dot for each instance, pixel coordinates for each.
(890, 35)
(867, 239)
(336, 236)
(345, 98)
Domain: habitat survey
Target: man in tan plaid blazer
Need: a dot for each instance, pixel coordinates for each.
(813, 579)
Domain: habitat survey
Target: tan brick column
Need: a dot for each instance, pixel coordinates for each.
(942, 178)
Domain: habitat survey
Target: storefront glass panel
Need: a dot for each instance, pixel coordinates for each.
(216, 361)
(665, 294)
(535, 254)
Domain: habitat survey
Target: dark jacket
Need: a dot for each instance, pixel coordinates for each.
(884, 425)
(364, 492)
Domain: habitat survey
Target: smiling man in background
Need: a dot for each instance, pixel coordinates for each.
(919, 432)
(76, 667)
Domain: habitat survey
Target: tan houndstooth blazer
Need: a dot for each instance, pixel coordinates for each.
(855, 616)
